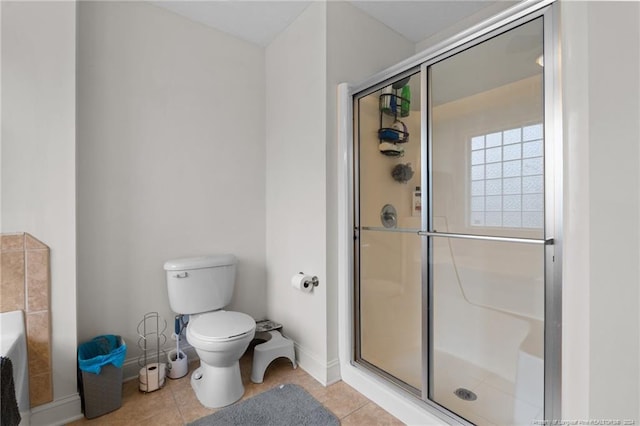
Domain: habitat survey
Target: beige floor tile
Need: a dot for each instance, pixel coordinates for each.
(309, 384)
(168, 417)
(370, 415)
(98, 421)
(139, 406)
(183, 396)
(191, 410)
(342, 400)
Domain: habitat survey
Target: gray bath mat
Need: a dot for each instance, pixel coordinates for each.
(283, 405)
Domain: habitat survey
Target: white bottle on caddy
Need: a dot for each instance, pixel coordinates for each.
(416, 205)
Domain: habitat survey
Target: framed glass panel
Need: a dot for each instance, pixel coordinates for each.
(488, 330)
(488, 138)
(391, 304)
(388, 217)
(487, 296)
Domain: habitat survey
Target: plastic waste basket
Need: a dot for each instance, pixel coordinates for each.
(100, 374)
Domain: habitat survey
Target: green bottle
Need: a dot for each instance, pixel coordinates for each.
(405, 104)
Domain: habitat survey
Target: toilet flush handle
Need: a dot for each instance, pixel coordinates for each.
(181, 275)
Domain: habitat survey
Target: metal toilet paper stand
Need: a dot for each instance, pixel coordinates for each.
(152, 338)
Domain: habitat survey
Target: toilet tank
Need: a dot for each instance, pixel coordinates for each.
(200, 284)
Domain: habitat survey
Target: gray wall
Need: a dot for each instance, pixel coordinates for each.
(38, 159)
(601, 102)
(170, 161)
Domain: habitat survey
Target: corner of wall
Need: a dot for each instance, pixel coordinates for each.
(576, 279)
(296, 181)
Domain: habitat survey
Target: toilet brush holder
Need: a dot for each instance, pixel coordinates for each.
(178, 366)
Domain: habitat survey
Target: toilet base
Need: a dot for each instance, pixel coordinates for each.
(217, 387)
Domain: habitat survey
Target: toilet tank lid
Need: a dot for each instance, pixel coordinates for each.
(200, 262)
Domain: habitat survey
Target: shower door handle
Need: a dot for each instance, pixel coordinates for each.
(549, 241)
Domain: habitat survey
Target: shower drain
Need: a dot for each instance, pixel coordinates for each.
(465, 394)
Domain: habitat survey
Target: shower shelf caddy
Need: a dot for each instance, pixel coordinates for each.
(151, 340)
(391, 105)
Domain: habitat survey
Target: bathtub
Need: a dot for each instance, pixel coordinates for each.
(13, 344)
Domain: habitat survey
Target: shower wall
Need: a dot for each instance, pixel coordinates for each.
(377, 186)
(458, 121)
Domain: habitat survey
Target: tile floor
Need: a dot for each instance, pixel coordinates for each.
(176, 404)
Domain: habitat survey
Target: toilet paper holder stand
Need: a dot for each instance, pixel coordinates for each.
(151, 342)
(314, 281)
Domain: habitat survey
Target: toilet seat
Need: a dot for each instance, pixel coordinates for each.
(221, 326)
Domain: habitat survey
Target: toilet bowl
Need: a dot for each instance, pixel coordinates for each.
(201, 287)
(219, 338)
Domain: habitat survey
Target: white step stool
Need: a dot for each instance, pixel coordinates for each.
(277, 346)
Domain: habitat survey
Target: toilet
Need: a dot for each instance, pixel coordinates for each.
(201, 287)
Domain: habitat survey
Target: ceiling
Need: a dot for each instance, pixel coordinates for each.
(259, 22)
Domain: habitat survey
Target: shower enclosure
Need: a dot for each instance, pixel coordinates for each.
(455, 231)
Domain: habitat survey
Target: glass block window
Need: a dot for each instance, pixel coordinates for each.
(506, 178)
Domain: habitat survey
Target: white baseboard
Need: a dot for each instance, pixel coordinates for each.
(325, 373)
(58, 412)
(333, 371)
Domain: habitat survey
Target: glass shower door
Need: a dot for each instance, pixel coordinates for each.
(456, 284)
(388, 310)
(486, 229)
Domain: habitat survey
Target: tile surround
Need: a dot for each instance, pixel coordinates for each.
(37, 280)
(38, 342)
(12, 242)
(25, 285)
(12, 292)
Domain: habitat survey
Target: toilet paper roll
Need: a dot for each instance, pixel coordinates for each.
(302, 282)
(152, 376)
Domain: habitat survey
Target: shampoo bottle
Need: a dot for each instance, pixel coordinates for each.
(416, 207)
